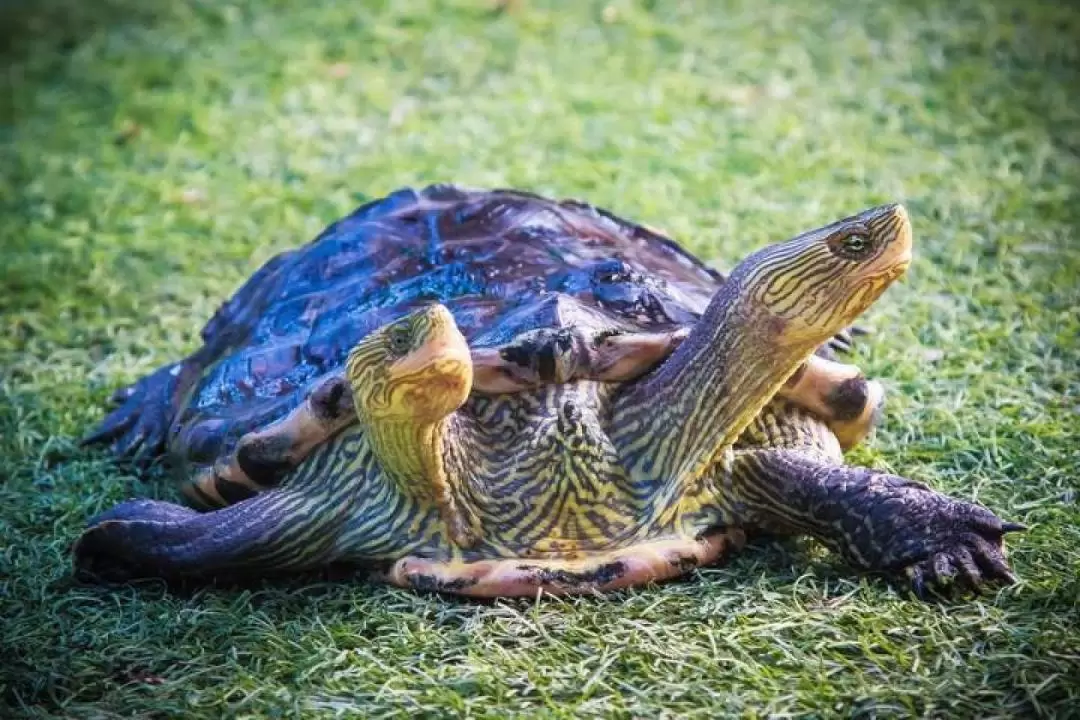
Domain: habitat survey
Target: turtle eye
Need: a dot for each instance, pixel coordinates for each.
(400, 340)
(855, 243)
(854, 246)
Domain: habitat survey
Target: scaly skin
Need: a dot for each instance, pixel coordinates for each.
(785, 476)
(789, 476)
(585, 486)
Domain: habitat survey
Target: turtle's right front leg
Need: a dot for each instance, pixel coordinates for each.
(876, 521)
(262, 458)
(276, 530)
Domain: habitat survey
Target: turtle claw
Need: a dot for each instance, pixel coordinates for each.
(943, 572)
(841, 343)
(131, 444)
(844, 341)
(1008, 577)
(122, 395)
(972, 565)
(990, 558)
(968, 570)
(917, 578)
(113, 426)
(136, 430)
(938, 543)
(141, 443)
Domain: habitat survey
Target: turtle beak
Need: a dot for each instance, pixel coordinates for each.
(442, 349)
(892, 221)
(439, 370)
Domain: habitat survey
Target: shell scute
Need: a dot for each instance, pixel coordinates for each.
(503, 262)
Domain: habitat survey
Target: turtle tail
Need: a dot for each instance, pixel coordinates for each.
(138, 426)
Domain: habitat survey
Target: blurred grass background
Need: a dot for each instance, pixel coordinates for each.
(153, 154)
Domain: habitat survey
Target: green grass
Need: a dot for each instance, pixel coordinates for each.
(152, 155)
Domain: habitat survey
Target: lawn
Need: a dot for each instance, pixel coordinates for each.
(152, 155)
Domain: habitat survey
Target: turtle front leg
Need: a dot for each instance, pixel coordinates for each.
(876, 521)
(147, 538)
(262, 458)
(837, 392)
(560, 355)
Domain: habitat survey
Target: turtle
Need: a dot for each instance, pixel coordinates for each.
(493, 393)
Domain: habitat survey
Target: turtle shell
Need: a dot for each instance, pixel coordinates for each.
(502, 261)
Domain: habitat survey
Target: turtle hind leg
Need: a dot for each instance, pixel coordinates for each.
(262, 458)
(840, 394)
(113, 547)
(149, 538)
(138, 427)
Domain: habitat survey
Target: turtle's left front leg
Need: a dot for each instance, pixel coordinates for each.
(262, 458)
(876, 521)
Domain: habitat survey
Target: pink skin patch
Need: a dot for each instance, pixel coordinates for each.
(640, 564)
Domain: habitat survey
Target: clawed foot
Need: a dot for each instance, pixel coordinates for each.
(889, 524)
(844, 341)
(975, 559)
(137, 428)
(959, 546)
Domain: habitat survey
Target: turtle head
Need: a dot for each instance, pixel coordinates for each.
(814, 285)
(416, 369)
(777, 306)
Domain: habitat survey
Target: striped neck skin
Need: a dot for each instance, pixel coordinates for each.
(410, 455)
(675, 423)
(417, 458)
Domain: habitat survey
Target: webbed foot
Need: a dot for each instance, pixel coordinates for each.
(844, 341)
(878, 522)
